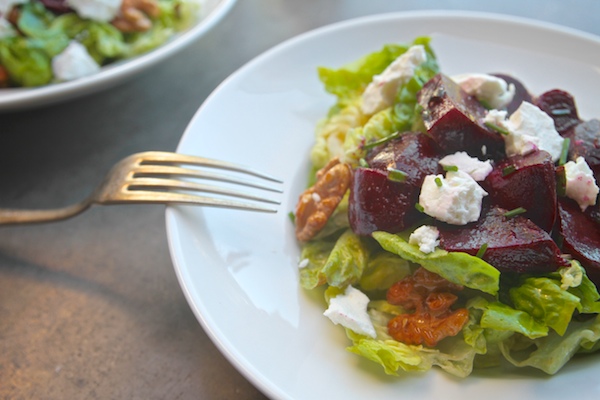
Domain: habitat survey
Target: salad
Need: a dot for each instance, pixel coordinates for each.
(452, 222)
(49, 41)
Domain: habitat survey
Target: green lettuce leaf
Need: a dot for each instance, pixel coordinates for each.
(552, 352)
(460, 268)
(544, 300)
(383, 270)
(340, 263)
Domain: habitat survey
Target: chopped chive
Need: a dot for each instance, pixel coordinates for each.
(452, 168)
(560, 111)
(515, 212)
(363, 163)
(292, 217)
(438, 181)
(481, 250)
(564, 151)
(381, 141)
(419, 208)
(508, 170)
(396, 175)
(497, 128)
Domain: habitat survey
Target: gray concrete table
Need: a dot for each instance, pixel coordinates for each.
(90, 307)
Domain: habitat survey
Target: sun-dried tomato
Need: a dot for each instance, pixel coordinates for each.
(431, 298)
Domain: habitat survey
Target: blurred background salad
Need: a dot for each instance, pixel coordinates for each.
(48, 41)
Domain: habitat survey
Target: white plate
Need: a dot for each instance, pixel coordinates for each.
(239, 270)
(23, 98)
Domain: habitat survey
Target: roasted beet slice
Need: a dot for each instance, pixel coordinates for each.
(521, 181)
(513, 244)
(559, 105)
(57, 6)
(580, 237)
(521, 93)
(413, 153)
(378, 203)
(454, 119)
(585, 142)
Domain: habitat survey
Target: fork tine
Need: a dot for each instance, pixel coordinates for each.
(144, 183)
(173, 170)
(151, 157)
(142, 196)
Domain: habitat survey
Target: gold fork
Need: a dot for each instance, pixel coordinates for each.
(156, 177)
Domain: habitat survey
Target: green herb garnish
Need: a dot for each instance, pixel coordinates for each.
(515, 212)
(419, 208)
(396, 175)
(481, 250)
(508, 170)
(497, 128)
(564, 151)
(381, 141)
(451, 168)
(438, 181)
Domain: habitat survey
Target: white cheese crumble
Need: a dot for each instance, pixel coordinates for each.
(491, 90)
(74, 62)
(528, 128)
(581, 185)
(426, 237)
(380, 93)
(350, 310)
(478, 169)
(98, 10)
(455, 199)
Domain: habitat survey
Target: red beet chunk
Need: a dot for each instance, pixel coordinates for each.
(513, 244)
(559, 105)
(521, 93)
(522, 181)
(378, 203)
(454, 119)
(57, 6)
(585, 142)
(413, 153)
(581, 237)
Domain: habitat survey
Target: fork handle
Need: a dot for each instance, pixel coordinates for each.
(10, 216)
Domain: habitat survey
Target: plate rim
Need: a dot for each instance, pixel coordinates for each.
(242, 365)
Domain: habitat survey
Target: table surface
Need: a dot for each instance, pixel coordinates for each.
(91, 307)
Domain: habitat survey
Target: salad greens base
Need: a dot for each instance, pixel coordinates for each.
(538, 321)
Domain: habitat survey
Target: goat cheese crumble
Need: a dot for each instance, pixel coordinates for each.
(581, 185)
(98, 10)
(350, 310)
(426, 237)
(455, 199)
(73, 63)
(478, 169)
(491, 90)
(380, 93)
(528, 129)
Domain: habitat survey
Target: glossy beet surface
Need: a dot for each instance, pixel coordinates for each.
(560, 106)
(378, 203)
(580, 236)
(525, 181)
(454, 119)
(513, 244)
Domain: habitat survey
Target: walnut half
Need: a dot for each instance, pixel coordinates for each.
(317, 203)
(134, 15)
